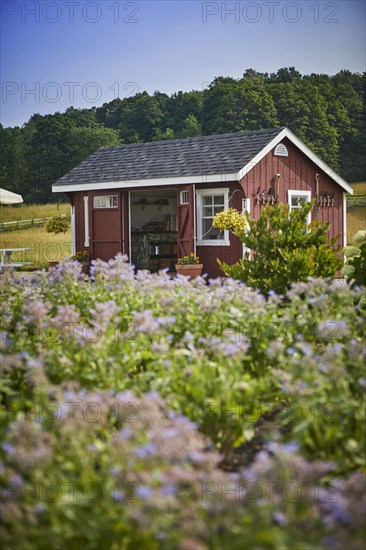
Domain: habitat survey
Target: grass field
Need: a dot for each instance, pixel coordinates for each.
(13, 212)
(356, 220)
(356, 209)
(359, 188)
(46, 247)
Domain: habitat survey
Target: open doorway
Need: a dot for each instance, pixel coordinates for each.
(153, 214)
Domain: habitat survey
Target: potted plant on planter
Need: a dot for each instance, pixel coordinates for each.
(83, 258)
(189, 266)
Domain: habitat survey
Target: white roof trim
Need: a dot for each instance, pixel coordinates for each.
(210, 178)
(97, 186)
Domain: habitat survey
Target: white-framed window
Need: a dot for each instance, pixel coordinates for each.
(105, 201)
(183, 197)
(245, 207)
(296, 198)
(209, 203)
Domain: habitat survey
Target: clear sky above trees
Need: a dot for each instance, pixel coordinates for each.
(56, 55)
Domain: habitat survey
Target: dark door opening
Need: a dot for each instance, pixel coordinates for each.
(154, 229)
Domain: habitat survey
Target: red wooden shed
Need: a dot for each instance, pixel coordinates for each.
(155, 201)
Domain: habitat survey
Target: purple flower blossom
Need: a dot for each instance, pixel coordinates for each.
(125, 433)
(290, 447)
(144, 491)
(168, 490)
(279, 518)
(145, 450)
(118, 495)
(9, 449)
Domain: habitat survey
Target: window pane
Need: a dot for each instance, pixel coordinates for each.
(207, 200)
(184, 197)
(218, 209)
(296, 200)
(219, 200)
(207, 211)
(105, 201)
(208, 232)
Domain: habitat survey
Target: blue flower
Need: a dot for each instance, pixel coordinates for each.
(145, 450)
(8, 448)
(125, 433)
(279, 518)
(144, 491)
(169, 490)
(291, 447)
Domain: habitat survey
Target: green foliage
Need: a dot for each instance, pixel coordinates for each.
(284, 249)
(355, 267)
(57, 224)
(326, 112)
(234, 106)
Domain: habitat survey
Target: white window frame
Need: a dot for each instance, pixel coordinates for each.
(200, 193)
(292, 193)
(111, 197)
(245, 207)
(184, 197)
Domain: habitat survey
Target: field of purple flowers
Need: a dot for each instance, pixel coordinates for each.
(121, 395)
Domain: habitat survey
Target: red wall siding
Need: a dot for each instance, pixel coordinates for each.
(297, 173)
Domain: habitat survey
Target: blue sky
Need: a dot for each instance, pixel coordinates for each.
(57, 54)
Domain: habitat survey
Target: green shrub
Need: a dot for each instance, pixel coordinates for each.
(57, 224)
(284, 249)
(355, 268)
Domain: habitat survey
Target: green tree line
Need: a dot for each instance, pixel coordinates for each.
(326, 112)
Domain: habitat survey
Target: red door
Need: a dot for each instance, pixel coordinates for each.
(186, 220)
(108, 214)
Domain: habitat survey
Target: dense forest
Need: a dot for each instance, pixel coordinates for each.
(326, 112)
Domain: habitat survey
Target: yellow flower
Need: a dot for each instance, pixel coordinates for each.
(231, 220)
(190, 259)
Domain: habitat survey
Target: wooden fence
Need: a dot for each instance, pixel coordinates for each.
(23, 224)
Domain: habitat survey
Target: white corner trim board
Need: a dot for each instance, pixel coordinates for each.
(86, 221)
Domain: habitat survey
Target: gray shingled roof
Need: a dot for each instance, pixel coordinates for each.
(222, 153)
